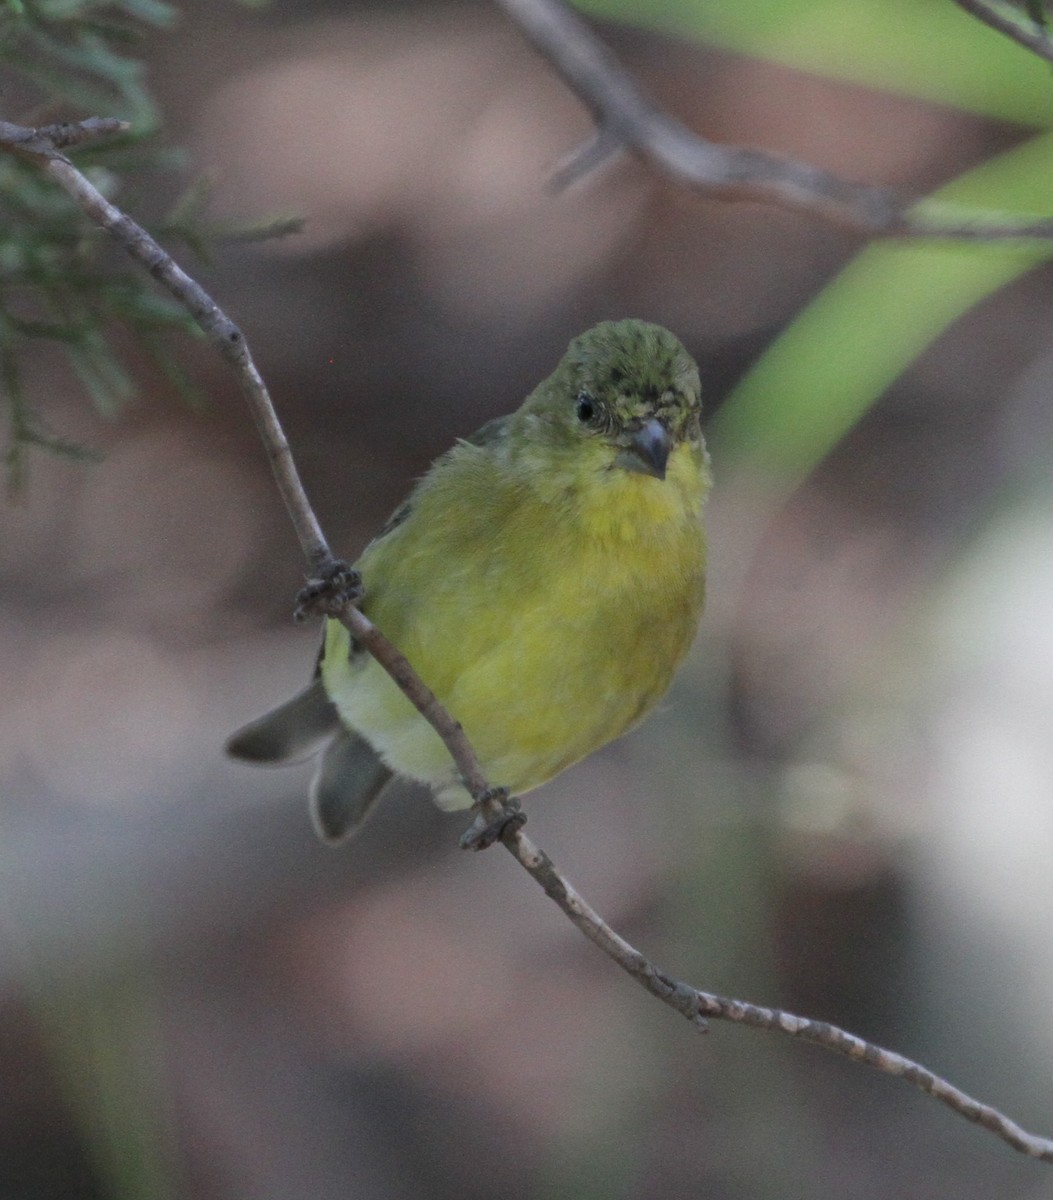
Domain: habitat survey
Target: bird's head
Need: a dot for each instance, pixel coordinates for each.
(625, 396)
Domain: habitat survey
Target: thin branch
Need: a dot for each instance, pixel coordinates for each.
(62, 136)
(600, 149)
(1027, 32)
(697, 1006)
(210, 318)
(623, 113)
(46, 139)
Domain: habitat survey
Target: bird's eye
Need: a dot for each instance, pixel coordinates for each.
(586, 407)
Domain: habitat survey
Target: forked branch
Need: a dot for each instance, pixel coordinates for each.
(627, 119)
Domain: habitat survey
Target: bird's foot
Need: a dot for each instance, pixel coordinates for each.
(329, 591)
(496, 813)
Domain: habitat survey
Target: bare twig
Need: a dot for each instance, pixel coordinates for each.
(599, 150)
(210, 318)
(46, 139)
(1027, 32)
(625, 115)
(697, 1006)
(62, 136)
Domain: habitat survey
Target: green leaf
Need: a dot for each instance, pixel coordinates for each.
(172, 369)
(863, 330)
(1036, 10)
(925, 48)
(105, 380)
(151, 12)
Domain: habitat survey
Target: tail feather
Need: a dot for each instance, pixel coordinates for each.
(347, 783)
(293, 730)
(350, 774)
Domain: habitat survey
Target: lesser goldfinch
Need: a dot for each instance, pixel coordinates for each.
(545, 578)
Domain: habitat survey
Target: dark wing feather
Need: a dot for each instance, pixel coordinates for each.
(348, 781)
(289, 732)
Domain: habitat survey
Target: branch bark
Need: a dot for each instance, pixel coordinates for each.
(626, 117)
(696, 1005)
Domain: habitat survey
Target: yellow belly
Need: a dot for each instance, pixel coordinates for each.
(546, 638)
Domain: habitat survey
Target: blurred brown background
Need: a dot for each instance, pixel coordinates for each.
(842, 808)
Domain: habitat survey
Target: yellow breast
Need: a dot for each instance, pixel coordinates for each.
(547, 624)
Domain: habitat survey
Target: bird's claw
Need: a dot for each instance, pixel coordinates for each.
(329, 591)
(489, 825)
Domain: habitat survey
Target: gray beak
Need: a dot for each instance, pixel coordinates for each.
(648, 451)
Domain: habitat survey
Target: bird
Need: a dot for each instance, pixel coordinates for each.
(545, 578)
